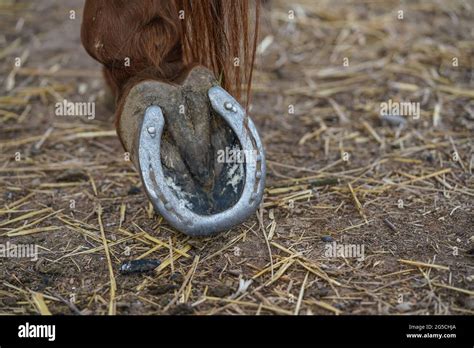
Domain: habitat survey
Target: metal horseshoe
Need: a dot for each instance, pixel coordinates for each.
(163, 198)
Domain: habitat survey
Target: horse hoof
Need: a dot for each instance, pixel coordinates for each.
(200, 159)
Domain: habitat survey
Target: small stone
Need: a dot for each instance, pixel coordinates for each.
(327, 239)
(394, 120)
(404, 307)
(82, 88)
(139, 266)
(34, 150)
(430, 158)
(134, 190)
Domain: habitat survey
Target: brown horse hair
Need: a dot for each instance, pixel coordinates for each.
(163, 39)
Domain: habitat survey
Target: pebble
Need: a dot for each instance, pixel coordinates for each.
(394, 120)
(430, 158)
(327, 239)
(134, 190)
(404, 307)
(139, 266)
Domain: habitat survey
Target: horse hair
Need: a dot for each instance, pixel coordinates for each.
(163, 39)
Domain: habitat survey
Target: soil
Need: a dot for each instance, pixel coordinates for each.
(337, 172)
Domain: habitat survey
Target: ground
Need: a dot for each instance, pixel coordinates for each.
(337, 172)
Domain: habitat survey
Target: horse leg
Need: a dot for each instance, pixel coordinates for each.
(148, 61)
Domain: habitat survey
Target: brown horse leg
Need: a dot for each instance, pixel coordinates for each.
(141, 44)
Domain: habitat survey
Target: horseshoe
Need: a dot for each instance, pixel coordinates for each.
(174, 209)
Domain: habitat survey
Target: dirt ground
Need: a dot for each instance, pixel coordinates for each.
(400, 187)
